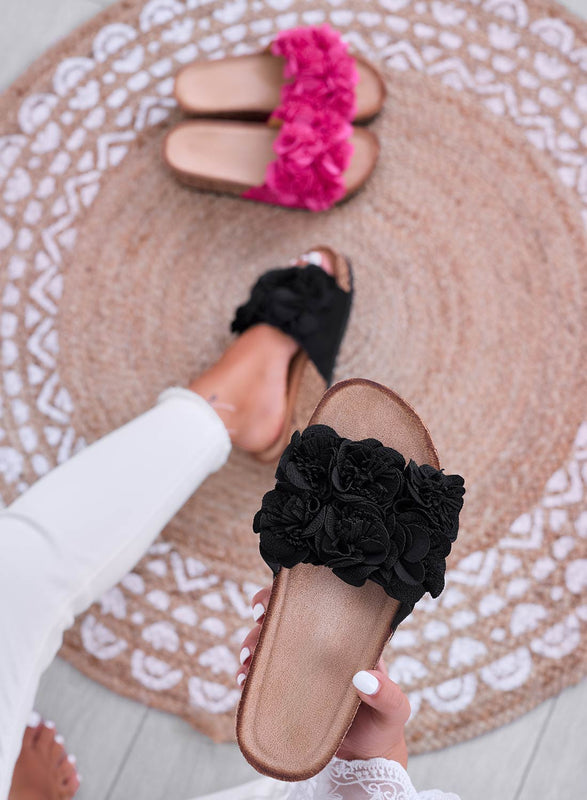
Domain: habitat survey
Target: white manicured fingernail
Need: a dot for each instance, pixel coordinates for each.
(241, 678)
(50, 725)
(365, 682)
(34, 719)
(72, 759)
(59, 739)
(245, 653)
(258, 611)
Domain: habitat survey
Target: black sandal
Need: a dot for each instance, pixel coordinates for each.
(312, 307)
(356, 530)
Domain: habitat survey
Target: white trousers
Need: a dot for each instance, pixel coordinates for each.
(81, 528)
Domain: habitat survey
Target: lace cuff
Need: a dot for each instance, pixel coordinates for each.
(363, 780)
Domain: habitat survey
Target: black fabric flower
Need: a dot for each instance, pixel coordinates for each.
(368, 470)
(291, 299)
(308, 460)
(287, 522)
(438, 495)
(356, 508)
(353, 541)
(307, 304)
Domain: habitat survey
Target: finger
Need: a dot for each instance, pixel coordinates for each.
(246, 653)
(377, 690)
(260, 602)
(249, 644)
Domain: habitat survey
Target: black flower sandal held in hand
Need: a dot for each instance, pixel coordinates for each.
(313, 307)
(356, 530)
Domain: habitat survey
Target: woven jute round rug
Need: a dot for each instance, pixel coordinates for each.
(471, 272)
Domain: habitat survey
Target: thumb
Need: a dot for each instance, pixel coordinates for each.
(384, 696)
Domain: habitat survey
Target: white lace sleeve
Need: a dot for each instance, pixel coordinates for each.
(376, 779)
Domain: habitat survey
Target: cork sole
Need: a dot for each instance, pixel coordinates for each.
(231, 157)
(249, 87)
(298, 700)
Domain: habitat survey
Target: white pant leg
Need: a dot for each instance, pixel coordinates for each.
(79, 530)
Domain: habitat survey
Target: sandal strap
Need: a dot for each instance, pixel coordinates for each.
(319, 72)
(318, 104)
(305, 303)
(359, 509)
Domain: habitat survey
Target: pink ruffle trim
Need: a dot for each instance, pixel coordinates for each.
(317, 106)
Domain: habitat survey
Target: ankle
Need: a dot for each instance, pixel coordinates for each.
(247, 387)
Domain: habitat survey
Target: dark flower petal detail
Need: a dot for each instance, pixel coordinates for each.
(308, 460)
(368, 470)
(291, 299)
(357, 508)
(353, 541)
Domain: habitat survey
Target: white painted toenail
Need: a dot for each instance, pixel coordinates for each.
(245, 653)
(241, 678)
(258, 611)
(59, 739)
(314, 257)
(50, 725)
(34, 719)
(72, 759)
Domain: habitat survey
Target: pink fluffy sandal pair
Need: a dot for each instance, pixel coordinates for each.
(277, 126)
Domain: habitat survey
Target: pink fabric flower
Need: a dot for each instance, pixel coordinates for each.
(313, 147)
(323, 73)
(312, 156)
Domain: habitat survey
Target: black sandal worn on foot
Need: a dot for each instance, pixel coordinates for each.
(313, 307)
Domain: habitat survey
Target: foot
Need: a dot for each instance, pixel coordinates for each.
(43, 771)
(247, 387)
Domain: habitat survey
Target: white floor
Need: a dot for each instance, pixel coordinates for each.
(125, 750)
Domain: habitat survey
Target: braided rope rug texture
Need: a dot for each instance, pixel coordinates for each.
(469, 253)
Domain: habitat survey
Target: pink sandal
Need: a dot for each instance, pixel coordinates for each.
(309, 155)
(307, 64)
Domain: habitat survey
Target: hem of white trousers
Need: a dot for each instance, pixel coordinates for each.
(180, 393)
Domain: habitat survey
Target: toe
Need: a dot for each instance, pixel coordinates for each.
(71, 786)
(29, 737)
(59, 754)
(46, 738)
(68, 777)
(319, 257)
